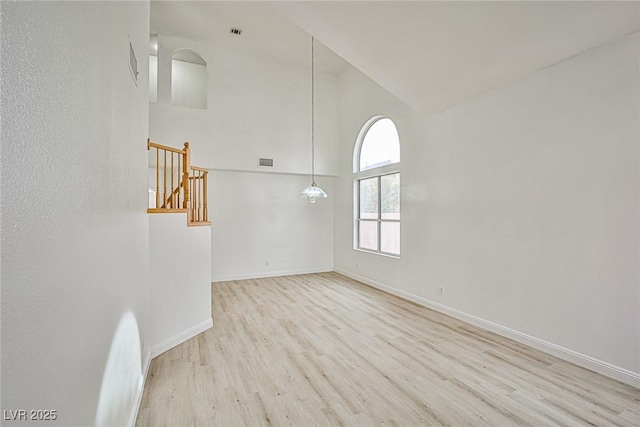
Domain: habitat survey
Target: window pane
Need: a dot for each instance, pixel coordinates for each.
(368, 235)
(380, 146)
(390, 193)
(369, 198)
(390, 239)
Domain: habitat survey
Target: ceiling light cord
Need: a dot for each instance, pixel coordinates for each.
(313, 142)
(313, 193)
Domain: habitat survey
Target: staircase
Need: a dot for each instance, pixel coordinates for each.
(179, 186)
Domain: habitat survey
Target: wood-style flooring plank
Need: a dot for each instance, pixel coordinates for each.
(325, 350)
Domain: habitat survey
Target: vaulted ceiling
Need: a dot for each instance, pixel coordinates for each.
(266, 32)
(431, 55)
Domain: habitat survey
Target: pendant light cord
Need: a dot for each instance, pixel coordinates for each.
(313, 148)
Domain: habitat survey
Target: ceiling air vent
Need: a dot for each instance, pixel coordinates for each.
(236, 31)
(265, 162)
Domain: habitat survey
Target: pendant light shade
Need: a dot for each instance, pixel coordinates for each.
(313, 192)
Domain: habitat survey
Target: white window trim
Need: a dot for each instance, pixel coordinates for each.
(378, 220)
(382, 170)
(360, 139)
(359, 175)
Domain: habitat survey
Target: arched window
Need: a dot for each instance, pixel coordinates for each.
(188, 79)
(380, 145)
(376, 167)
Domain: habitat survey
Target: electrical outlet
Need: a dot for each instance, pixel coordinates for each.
(441, 290)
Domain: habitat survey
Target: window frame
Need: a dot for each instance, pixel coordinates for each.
(378, 173)
(379, 220)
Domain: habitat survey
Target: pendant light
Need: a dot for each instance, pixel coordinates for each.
(313, 192)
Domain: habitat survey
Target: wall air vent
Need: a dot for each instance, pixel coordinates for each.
(236, 31)
(133, 64)
(265, 162)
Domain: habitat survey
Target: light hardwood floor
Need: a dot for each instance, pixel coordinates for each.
(322, 349)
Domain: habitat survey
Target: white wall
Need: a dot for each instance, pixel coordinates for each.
(523, 204)
(361, 99)
(74, 193)
(180, 262)
(256, 108)
(258, 218)
(153, 78)
(188, 84)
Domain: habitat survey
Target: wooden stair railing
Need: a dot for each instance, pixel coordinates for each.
(174, 197)
(180, 187)
(198, 209)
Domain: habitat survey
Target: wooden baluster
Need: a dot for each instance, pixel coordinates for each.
(179, 180)
(200, 195)
(191, 201)
(186, 167)
(194, 197)
(204, 196)
(199, 198)
(157, 178)
(200, 215)
(195, 206)
(164, 179)
(173, 205)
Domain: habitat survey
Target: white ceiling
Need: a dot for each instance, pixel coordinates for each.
(266, 33)
(431, 55)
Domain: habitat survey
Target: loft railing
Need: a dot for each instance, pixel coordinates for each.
(179, 186)
(198, 211)
(171, 169)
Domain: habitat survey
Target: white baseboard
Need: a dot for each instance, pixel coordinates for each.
(156, 350)
(263, 274)
(169, 343)
(599, 366)
(133, 416)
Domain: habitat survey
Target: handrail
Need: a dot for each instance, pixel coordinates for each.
(179, 186)
(151, 144)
